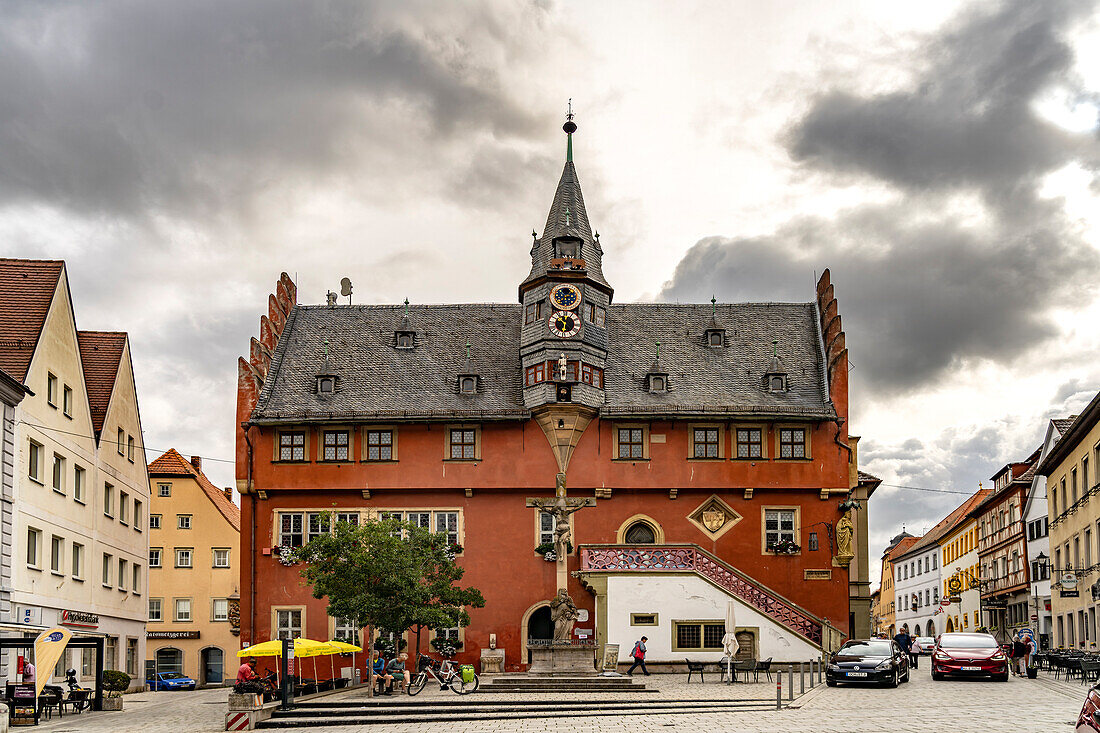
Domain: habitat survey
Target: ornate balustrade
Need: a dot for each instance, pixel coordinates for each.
(689, 558)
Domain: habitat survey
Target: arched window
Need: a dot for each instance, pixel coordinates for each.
(169, 660)
(640, 533)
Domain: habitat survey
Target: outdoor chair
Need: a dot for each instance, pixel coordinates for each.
(1090, 670)
(694, 667)
(745, 666)
(51, 698)
(78, 700)
(766, 668)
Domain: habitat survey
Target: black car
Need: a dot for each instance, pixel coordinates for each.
(868, 660)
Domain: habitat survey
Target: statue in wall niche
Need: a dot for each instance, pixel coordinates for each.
(844, 532)
(563, 367)
(564, 613)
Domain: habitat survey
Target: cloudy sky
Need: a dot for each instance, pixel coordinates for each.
(941, 158)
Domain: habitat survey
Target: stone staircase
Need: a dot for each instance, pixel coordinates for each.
(468, 709)
(535, 684)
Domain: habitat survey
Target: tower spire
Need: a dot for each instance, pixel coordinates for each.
(570, 127)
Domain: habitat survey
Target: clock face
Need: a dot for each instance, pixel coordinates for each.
(565, 297)
(565, 324)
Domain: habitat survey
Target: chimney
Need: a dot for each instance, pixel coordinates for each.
(228, 492)
(196, 461)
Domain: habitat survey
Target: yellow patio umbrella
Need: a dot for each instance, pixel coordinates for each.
(342, 647)
(302, 648)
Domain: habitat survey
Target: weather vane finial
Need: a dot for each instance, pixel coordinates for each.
(570, 127)
(713, 306)
(775, 347)
(467, 349)
(406, 307)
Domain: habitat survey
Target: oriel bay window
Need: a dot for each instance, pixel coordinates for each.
(335, 445)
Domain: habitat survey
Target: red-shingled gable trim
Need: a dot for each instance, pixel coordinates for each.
(173, 464)
(100, 354)
(27, 288)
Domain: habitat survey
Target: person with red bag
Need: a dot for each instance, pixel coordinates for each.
(639, 656)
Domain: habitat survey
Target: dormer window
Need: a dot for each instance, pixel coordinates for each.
(567, 249)
(658, 383)
(716, 338)
(467, 385)
(777, 383)
(404, 339)
(326, 385)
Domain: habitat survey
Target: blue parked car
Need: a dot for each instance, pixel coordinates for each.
(170, 681)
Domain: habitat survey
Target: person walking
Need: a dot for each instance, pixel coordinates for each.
(1020, 653)
(639, 656)
(905, 643)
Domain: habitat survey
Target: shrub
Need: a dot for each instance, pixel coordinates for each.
(115, 682)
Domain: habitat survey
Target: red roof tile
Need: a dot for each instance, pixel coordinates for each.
(951, 521)
(899, 549)
(173, 464)
(26, 291)
(100, 353)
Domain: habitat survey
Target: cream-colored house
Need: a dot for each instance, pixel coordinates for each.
(194, 551)
(1071, 468)
(80, 492)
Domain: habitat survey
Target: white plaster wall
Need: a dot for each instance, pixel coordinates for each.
(917, 583)
(685, 597)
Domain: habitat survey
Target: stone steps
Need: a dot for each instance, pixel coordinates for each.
(562, 684)
(318, 715)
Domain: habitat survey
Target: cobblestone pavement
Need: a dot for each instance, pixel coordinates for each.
(962, 706)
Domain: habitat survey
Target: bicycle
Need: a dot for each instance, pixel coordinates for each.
(446, 673)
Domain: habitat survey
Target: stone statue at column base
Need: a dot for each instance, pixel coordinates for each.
(564, 613)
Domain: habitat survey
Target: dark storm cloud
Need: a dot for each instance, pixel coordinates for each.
(968, 260)
(130, 108)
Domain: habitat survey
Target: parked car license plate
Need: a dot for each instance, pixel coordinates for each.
(857, 674)
(971, 669)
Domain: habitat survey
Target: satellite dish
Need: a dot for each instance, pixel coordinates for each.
(345, 286)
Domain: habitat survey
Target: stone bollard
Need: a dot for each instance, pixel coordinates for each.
(245, 701)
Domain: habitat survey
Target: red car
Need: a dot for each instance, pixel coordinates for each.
(1089, 719)
(969, 654)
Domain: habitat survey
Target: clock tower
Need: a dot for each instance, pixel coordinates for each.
(563, 342)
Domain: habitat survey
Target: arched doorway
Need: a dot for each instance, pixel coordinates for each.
(539, 626)
(950, 626)
(212, 666)
(931, 628)
(169, 660)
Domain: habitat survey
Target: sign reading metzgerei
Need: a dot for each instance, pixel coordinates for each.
(171, 634)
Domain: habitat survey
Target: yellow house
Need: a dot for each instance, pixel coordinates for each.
(194, 598)
(1072, 468)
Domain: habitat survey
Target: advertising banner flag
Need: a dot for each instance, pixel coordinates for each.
(47, 650)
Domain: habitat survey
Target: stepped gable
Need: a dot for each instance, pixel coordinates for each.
(27, 288)
(375, 379)
(100, 354)
(171, 463)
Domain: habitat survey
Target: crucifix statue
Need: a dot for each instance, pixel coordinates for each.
(561, 507)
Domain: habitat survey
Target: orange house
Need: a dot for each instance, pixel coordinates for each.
(711, 441)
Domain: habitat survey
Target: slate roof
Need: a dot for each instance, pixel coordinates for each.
(1062, 424)
(26, 290)
(1081, 425)
(568, 218)
(100, 354)
(172, 463)
(375, 380)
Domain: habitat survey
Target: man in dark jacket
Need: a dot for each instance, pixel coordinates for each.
(905, 642)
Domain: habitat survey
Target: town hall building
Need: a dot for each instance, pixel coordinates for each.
(704, 449)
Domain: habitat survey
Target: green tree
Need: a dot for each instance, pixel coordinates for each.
(388, 574)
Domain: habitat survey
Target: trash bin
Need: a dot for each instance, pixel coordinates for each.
(1032, 672)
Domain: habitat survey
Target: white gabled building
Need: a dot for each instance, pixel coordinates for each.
(947, 550)
(80, 491)
(1037, 527)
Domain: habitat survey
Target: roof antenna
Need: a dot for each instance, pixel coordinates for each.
(345, 288)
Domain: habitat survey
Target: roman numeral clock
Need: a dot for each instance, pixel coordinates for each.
(564, 321)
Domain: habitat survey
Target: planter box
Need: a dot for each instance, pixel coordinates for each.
(245, 701)
(112, 703)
